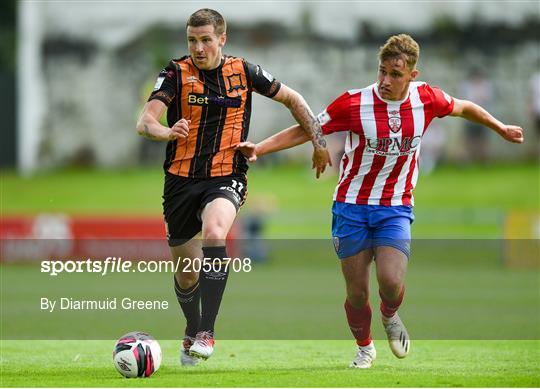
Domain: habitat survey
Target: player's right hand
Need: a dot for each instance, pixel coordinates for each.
(513, 134)
(249, 149)
(180, 129)
(320, 158)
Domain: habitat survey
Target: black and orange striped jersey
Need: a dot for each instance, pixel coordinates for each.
(218, 103)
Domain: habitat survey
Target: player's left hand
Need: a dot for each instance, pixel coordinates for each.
(320, 158)
(513, 134)
(249, 149)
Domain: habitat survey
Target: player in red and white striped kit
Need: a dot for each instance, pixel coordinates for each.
(372, 210)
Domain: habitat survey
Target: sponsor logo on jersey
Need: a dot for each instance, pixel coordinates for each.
(235, 82)
(393, 146)
(222, 101)
(190, 79)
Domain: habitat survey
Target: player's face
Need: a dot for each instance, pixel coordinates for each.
(393, 79)
(205, 46)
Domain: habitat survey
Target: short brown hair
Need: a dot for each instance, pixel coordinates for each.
(205, 17)
(400, 46)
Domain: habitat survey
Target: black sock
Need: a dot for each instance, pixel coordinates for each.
(212, 286)
(189, 300)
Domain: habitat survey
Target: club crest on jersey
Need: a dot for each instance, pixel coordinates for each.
(235, 82)
(394, 123)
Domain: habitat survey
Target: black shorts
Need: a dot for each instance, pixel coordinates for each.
(185, 198)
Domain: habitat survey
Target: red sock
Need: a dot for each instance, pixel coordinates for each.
(359, 323)
(389, 308)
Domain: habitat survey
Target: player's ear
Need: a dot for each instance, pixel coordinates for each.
(222, 39)
(414, 74)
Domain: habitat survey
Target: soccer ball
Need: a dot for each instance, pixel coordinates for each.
(137, 354)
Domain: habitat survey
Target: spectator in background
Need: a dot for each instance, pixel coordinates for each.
(479, 89)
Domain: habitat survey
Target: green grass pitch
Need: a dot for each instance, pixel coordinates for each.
(279, 364)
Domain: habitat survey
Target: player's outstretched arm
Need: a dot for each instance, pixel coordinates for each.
(304, 116)
(290, 137)
(149, 126)
(474, 113)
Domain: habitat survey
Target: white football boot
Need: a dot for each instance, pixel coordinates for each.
(398, 338)
(365, 357)
(203, 347)
(185, 358)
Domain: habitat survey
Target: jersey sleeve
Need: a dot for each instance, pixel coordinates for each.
(166, 85)
(262, 81)
(443, 103)
(337, 116)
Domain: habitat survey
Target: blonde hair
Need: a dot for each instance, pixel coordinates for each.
(205, 17)
(400, 46)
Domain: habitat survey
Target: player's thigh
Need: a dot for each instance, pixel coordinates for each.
(391, 227)
(356, 270)
(217, 219)
(223, 197)
(391, 239)
(188, 254)
(181, 209)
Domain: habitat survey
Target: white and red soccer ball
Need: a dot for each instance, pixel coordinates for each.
(137, 354)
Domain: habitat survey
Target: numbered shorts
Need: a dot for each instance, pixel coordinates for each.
(358, 227)
(185, 198)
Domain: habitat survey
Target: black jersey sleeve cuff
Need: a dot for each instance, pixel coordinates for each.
(274, 89)
(161, 97)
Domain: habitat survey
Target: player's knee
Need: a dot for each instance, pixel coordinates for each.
(187, 279)
(390, 287)
(214, 232)
(358, 298)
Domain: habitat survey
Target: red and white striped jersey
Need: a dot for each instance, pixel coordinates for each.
(380, 163)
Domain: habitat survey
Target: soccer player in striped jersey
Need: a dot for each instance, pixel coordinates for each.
(373, 201)
(207, 96)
